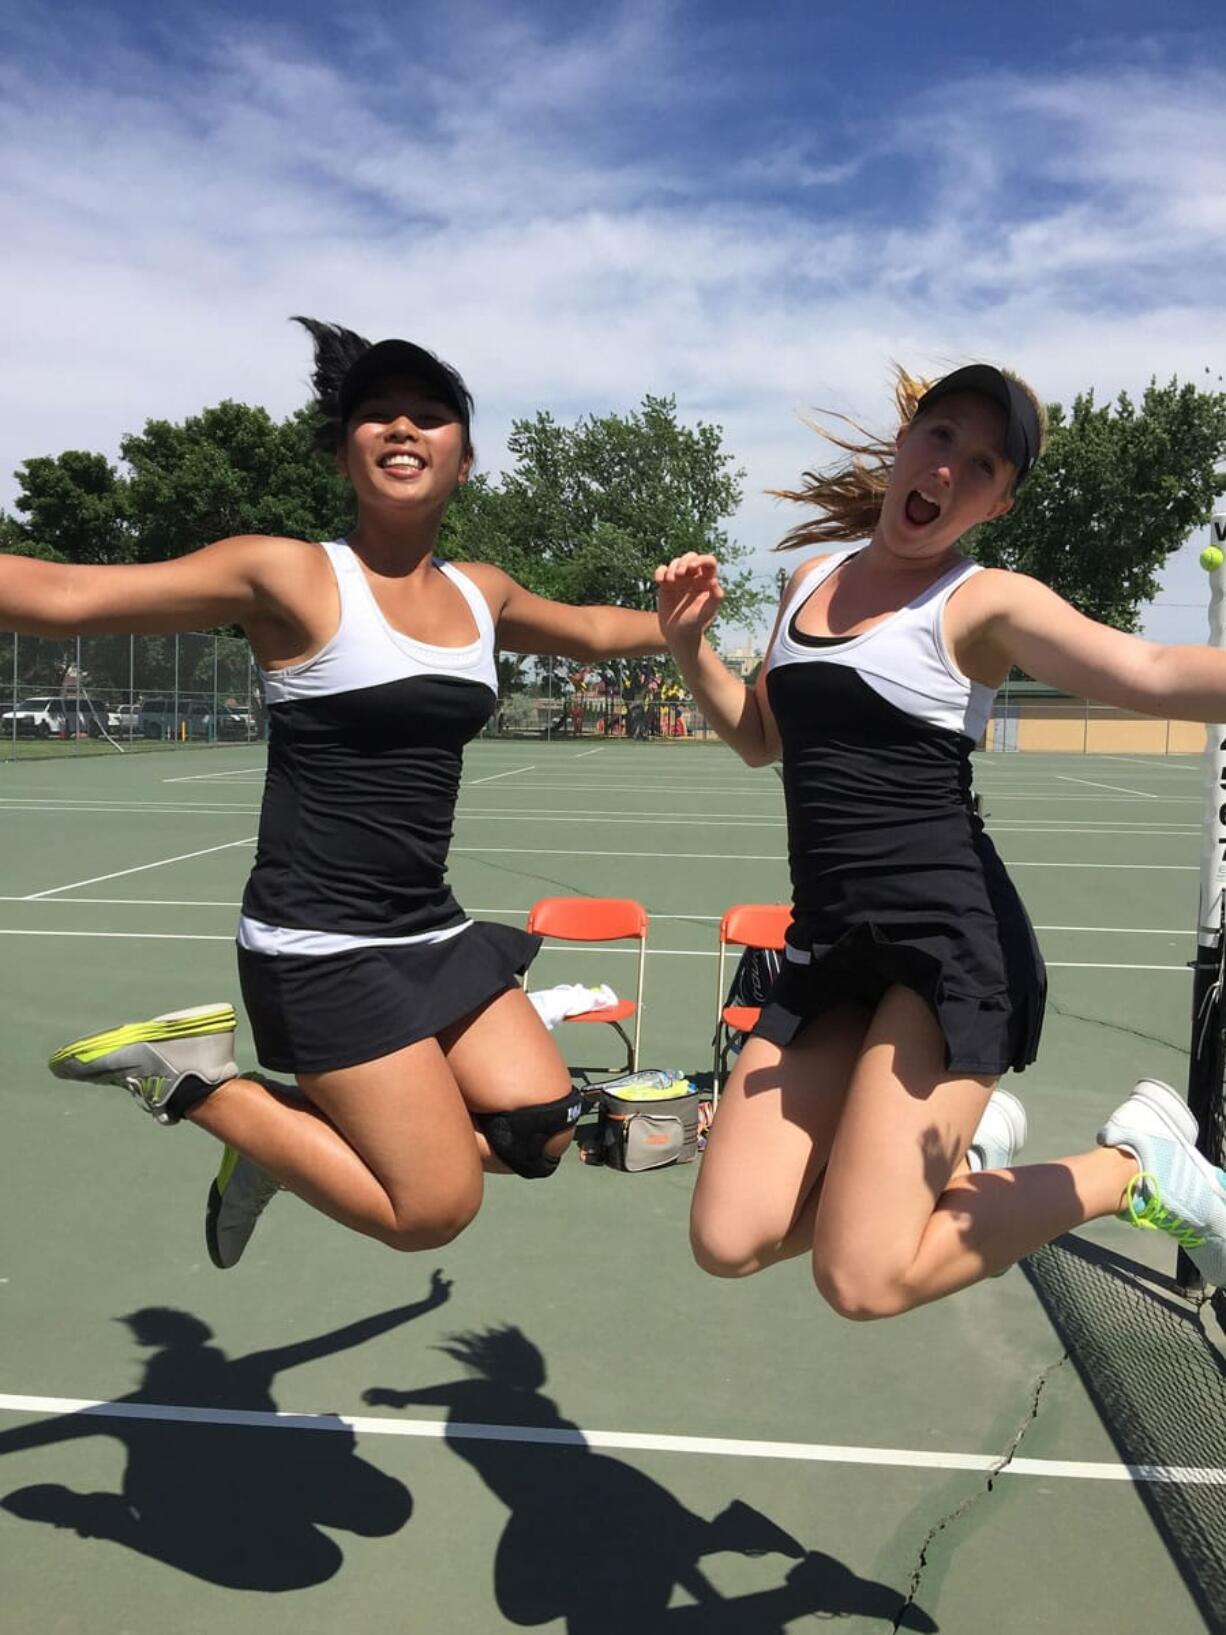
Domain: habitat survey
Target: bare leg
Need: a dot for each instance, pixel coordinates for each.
(393, 1154)
(389, 1147)
(895, 1226)
(757, 1193)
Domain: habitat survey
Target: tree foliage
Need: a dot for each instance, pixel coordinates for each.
(1119, 489)
(588, 510)
(231, 469)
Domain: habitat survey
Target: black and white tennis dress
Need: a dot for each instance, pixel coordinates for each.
(350, 943)
(894, 880)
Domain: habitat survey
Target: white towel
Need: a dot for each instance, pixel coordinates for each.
(554, 1005)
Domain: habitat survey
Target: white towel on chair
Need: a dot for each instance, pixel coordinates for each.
(554, 1005)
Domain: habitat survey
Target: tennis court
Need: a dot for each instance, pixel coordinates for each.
(573, 1429)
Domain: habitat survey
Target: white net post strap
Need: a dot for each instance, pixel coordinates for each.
(1213, 835)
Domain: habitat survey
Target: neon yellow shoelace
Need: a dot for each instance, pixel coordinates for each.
(1154, 1216)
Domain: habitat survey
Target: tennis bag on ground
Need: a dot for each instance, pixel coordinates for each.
(647, 1120)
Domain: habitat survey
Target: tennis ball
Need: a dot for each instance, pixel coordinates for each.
(1211, 557)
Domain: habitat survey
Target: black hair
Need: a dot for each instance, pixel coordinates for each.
(336, 351)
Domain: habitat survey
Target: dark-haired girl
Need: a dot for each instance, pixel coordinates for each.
(862, 1125)
(419, 1061)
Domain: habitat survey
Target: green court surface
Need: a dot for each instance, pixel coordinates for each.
(589, 1435)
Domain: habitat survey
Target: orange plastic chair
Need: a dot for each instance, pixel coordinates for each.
(747, 925)
(599, 919)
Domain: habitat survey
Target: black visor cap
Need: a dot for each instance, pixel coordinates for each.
(387, 360)
(1023, 434)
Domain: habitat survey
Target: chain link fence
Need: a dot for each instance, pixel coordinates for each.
(96, 694)
(1030, 717)
(558, 698)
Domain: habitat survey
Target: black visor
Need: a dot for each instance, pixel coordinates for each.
(1023, 433)
(387, 360)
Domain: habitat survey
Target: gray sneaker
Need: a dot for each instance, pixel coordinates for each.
(237, 1199)
(151, 1059)
(241, 1192)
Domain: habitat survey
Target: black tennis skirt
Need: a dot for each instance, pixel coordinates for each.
(986, 1032)
(314, 1014)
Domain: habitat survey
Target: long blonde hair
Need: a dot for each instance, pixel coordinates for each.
(849, 496)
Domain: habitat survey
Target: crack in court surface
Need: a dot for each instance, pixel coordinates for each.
(976, 1499)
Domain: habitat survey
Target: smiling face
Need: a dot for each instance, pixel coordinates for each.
(949, 474)
(405, 444)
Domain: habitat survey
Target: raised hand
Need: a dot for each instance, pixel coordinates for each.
(689, 596)
(379, 1396)
(440, 1287)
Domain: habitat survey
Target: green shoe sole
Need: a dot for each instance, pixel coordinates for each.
(199, 1022)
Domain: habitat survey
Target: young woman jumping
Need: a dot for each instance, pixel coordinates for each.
(861, 1125)
(419, 1061)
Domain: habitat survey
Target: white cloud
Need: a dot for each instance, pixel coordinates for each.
(493, 200)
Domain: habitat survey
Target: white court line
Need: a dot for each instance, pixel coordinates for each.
(549, 948)
(1161, 828)
(584, 752)
(212, 777)
(161, 863)
(494, 776)
(128, 936)
(1115, 788)
(1193, 766)
(522, 913)
(778, 857)
(439, 1430)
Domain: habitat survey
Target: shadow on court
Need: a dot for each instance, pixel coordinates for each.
(594, 1541)
(1159, 1386)
(235, 1506)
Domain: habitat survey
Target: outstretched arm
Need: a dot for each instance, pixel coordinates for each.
(221, 584)
(1030, 626)
(690, 594)
(278, 1358)
(533, 624)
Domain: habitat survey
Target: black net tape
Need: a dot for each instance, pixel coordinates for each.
(1158, 1381)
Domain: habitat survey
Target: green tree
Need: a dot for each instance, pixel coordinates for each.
(75, 506)
(229, 470)
(587, 511)
(1119, 488)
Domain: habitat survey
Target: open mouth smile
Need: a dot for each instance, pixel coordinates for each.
(921, 508)
(403, 462)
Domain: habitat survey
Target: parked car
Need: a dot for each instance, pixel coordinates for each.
(236, 724)
(125, 719)
(52, 717)
(162, 718)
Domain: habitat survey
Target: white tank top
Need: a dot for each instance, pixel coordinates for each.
(904, 659)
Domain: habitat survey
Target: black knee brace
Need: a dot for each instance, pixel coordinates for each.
(518, 1137)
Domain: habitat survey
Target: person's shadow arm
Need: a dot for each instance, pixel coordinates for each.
(381, 1396)
(278, 1358)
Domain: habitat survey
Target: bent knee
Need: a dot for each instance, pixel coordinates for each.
(434, 1229)
(721, 1252)
(861, 1294)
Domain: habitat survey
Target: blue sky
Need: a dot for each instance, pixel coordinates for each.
(578, 204)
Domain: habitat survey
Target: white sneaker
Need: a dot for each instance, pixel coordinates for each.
(1000, 1134)
(1179, 1191)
